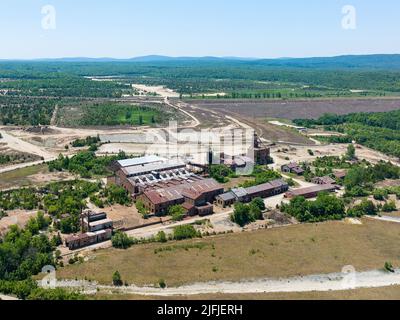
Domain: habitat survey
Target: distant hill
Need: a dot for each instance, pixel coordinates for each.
(377, 61)
(356, 62)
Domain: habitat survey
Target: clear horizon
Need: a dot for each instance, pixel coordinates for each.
(253, 29)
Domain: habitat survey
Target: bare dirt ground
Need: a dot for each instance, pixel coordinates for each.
(301, 154)
(15, 143)
(159, 90)
(383, 293)
(295, 109)
(222, 114)
(15, 217)
(31, 176)
(126, 217)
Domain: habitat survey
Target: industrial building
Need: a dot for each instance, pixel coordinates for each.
(311, 192)
(248, 194)
(96, 228)
(196, 197)
(93, 221)
(87, 239)
(139, 174)
(292, 168)
(323, 180)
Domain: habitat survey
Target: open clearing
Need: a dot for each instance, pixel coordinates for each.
(295, 109)
(297, 250)
(32, 175)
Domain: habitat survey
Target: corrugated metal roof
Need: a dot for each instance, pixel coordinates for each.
(140, 161)
(266, 186)
(191, 190)
(149, 168)
(229, 196)
(313, 189)
(240, 192)
(100, 222)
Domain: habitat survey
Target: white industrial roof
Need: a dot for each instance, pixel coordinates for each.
(140, 161)
(150, 167)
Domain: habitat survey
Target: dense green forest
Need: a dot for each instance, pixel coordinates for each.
(379, 131)
(29, 91)
(23, 254)
(66, 78)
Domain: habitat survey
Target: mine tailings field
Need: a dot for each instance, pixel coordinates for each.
(298, 109)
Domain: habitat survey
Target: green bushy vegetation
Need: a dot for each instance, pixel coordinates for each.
(88, 141)
(121, 240)
(17, 158)
(378, 131)
(26, 110)
(112, 114)
(177, 212)
(27, 199)
(244, 214)
(23, 254)
(325, 207)
(46, 83)
(185, 232)
(261, 175)
(63, 201)
(221, 173)
(360, 179)
(85, 163)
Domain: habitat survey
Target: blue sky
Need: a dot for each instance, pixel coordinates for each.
(251, 28)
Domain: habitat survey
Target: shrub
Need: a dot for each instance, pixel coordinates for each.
(242, 215)
(380, 194)
(388, 267)
(116, 279)
(185, 232)
(366, 207)
(161, 237)
(389, 206)
(177, 212)
(162, 283)
(121, 241)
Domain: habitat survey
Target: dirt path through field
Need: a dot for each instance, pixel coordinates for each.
(346, 280)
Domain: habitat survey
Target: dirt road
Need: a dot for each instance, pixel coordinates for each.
(23, 146)
(385, 218)
(347, 280)
(7, 298)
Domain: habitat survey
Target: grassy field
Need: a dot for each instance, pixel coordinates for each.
(109, 114)
(20, 177)
(385, 293)
(283, 252)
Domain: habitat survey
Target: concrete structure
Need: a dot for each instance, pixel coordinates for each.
(140, 174)
(99, 225)
(86, 239)
(311, 192)
(96, 228)
(248, 194)
(262, 154)
(95, 221)
(196, 197)
(292, 168)
(323, 180)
